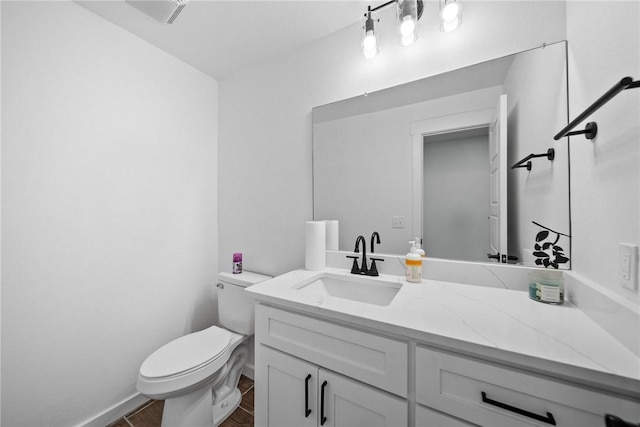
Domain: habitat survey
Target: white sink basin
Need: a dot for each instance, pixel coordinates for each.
(355, 288)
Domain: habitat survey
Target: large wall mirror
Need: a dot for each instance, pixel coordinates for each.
(434, 158)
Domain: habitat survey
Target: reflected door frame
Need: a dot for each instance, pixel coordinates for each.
(434, 126)
(498, 175)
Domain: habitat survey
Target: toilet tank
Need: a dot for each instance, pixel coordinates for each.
(235, 307)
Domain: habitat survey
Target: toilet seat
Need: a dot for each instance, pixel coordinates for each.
(187, 353)
(187, 363)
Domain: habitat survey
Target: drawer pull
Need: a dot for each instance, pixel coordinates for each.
(613, 421)
(323, 419)
(307, 411)
(548, 419)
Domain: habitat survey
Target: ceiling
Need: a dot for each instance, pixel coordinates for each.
(219, 37)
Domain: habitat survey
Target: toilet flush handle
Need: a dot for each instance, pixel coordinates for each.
(220, 285)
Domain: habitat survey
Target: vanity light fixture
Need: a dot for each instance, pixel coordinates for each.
(369, 42)
(450, 15)
(408, 13)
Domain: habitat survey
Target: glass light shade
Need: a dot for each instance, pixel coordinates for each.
(408, 40)
(450, 12)
(450, 25)
(369, 45)
(407, 12)
(408, 26)
(450, 15)
(369, 42)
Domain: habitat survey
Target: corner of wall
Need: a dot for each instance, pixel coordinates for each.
(616, 315)
(605, 178)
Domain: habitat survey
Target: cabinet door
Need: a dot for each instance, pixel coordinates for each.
(286, 390)
(350, 403)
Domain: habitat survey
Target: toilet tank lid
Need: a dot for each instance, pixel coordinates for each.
(246, 278)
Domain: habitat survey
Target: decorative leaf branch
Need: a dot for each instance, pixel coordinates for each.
(548, 253)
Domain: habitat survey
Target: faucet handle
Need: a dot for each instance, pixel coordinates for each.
(354, 268)
(373, 271)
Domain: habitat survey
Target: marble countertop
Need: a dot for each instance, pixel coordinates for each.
(495, 324)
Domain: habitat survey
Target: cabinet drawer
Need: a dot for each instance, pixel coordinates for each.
(426, 417)
(372, 359)
(456, 385)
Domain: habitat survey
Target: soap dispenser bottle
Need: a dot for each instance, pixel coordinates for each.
(413, 263)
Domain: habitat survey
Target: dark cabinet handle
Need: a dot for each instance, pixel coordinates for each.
(613, 421)
(323, 419)
(307, 411)
(548, 419)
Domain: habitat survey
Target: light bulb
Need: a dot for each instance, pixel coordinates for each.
(369, 45)
(408, 40)
(448, 26)
(407, 15)
(370, 54)
(408, 26)
(450, 15)
(450, 12)
(369, 41)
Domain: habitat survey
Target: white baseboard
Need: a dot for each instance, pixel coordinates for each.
(248, 371)
(134, 401)
(116, 411)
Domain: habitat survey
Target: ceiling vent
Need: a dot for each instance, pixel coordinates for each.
(165, 11)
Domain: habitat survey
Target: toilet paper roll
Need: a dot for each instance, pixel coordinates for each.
(315, 244)
(332, 235)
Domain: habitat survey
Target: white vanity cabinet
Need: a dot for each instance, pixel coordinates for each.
(300, 394)
(492, 395)
(412, 362)
(311, 372)
(426, 417)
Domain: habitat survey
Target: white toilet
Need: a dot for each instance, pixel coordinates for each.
(197, 374)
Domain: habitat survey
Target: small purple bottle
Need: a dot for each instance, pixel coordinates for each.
(237, 263)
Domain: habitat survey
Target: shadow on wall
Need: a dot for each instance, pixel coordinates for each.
(205, 311)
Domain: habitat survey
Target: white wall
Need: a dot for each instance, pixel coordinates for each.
(604, 47)
(265, 191)
(536, 113)
(109, 153)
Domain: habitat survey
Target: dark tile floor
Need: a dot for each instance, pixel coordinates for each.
(150, 414)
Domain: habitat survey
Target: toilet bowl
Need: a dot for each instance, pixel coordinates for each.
(197, 374)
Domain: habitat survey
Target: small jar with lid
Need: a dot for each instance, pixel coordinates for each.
(546, 286)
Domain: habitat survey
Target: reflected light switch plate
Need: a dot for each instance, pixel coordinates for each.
(628, 266)
(397, 222)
